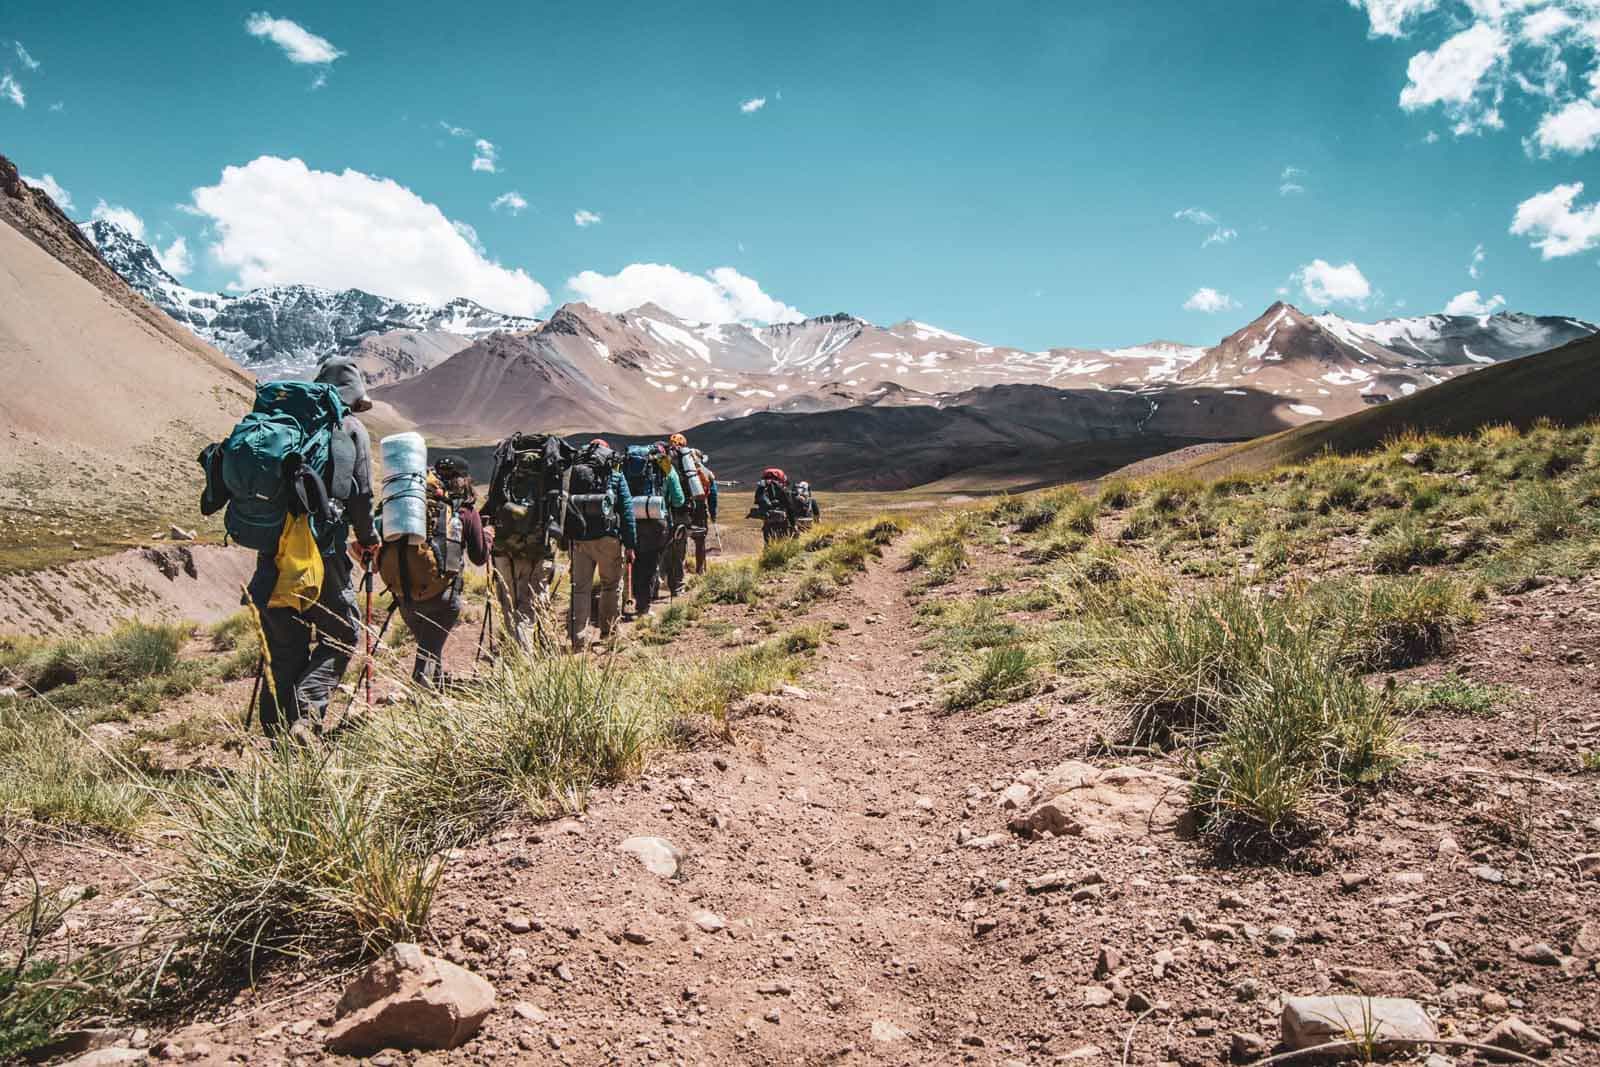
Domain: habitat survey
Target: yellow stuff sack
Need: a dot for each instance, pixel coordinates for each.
(299, 566)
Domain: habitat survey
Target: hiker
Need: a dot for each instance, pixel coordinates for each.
(601, 536)
(296, 476)
(806, 509)
(700, 492)
(525, 509)
(426, 579)
(657, 499)
(774, 506)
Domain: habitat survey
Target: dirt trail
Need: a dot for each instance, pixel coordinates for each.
(841, 900)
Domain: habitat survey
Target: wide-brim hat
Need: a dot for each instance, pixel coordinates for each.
(342, 373)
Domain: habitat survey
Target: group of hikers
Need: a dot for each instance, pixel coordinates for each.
(295, 477)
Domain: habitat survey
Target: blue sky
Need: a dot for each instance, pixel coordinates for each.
(1011, 171)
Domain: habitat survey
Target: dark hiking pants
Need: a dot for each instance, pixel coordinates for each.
(431, 622)
(310, 649)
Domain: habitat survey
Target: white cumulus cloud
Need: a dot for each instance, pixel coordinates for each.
(297, 42)
(754, 104)
(721, 295)
(585, 218)
(1470, 303)
(23, 57)
(175, 258)
(10, 90)
(48, 183)
(1388, 17)
(1210, 301)
(512, 202)
(1324, 283)
(119, 215)
(1574, 129)
(485, 156)
(1546, 23)
(277, 221)
(1452, 74)
(1556, 227)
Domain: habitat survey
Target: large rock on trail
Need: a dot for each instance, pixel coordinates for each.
(410, 1000)
(1383, 1022)
(1079, 799)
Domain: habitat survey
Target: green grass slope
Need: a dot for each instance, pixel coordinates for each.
(1562, 385)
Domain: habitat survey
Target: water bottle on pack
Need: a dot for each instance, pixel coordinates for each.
(405, 487)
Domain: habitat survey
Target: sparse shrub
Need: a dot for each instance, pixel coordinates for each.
(1387, 624)
(731, 583)
(883, 529)
(1547, 511)
(776, 555)
(941, 551)
(1004, 674)
(1117, 493)
(1407, 544)
(1453, 694)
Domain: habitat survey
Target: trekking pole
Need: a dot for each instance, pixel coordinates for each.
(265, 659)
(366, 566)
(374, 643)
(255, 691)
(488, 614)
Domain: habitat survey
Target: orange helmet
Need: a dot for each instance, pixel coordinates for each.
(677, 440)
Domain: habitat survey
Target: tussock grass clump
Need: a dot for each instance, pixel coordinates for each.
(1001, 675)
(731, 583)
(131, 653)
(940, 551)
(1547, 511)
(776, 555)
(534, 734)
(1405, 545)
(1454, 694)
(1258, 686)
(295, 854)
(1387, 624)
(51, 772)
(1117, 493)
(706, 690)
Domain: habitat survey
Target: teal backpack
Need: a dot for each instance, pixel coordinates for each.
(277, 460)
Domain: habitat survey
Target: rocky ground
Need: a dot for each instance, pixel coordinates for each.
(843, 882)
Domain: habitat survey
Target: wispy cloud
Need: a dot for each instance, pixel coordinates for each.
(512, 202)
(1219, 235)
(121, 216)
(586, 218)
(1289, 183)
(58, 105)
(1558, 228)
(754, 104)
(1476, 266)
(454, 131)
(48, 183)
(23, 57)
(299, 44)
(1210, 301)
(486, 156)
(10, 90)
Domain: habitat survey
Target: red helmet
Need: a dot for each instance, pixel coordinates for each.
(775, 474)
(600, 442)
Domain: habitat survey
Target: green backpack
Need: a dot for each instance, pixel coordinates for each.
(278, 459)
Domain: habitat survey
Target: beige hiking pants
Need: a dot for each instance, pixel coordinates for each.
(588, 557)
(522, 586)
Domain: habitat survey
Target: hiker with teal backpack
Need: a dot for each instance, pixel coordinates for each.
(295, 475)
(600, 535)
(657, 496)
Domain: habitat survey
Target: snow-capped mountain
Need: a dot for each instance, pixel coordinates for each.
(1325, 365)
(285, 329)
(645, 369)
